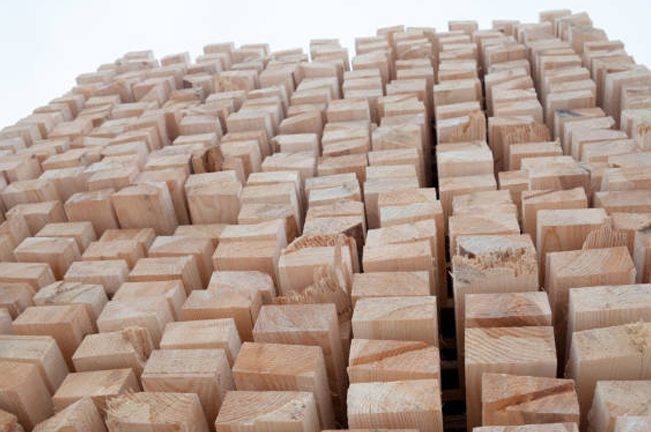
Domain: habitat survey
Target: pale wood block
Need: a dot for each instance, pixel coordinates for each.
(452, 186)
(92, 296)
(350, 226)
(628, 224)
(166, 411)
(213, 197)
(610, 353)
(80, 416)
(531, 150)
(353, 163)
(109, 274)
(100, 386)
(117, 179)
(210, 231)
(82, 232)
(549, 427)
(416, 256)
(457, 91)
(175, 180)
(71, 158)
(67, 324)
(497, 201)
(533, 201)
(173, 246)
(146, 205)
(273, 230)
(607, 405)
(37, 215)
(28, 192)
(9, 421)
(392, 360)
(508, 310)
(277, 367)
(5, 323)
(253, 411)
(15, 227)
(464, 159)
(528, 351)
(397, 318)
(555, 173)
(24, 393)
(253, 281)
(373, 189)
(314, 324)
(581, 268)
(262, 256)
(565, 230)
(205, 372)
(399, 404)
(144, 236)
(129, 251)
(389, 284)
(171, 290)
(568, 101)
(37, 275)
(15, 297)
(41, 351)
(632, 423)
(94, 207)
(7, 248)
(203, 334)
(625, 178)
(128, 348)
(258, 212)
(152, 313)
(296, 265)
(182, 268)
(518, 400)
(489, 223)
(59, 253)
(632, 201)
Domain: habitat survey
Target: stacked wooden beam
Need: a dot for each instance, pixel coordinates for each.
(261, 240)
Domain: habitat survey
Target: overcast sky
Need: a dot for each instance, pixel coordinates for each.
(45, 44)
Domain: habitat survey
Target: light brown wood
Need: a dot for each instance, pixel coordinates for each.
(144, 236)
(389, 284)
(9, 422)
(259, 256)
(533, 201)
(24, 393)
(37, 275)
(397, 404)
(146, 205)
(508, 310)
(519, 400)
(172, 290)
(152, 313)
(92, 206)
(632, 424)
(173, 246)
(109, 274)
(81, 416)
(247, 411)
(615, 399)
(203, 334)
(551, 427)
(82, 232)
(58, 252)
(16, 297)
(128, 250)
(183, 268)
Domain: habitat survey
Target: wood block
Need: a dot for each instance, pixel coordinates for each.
(519, 400)
(581, 268)
(397, 318)
(15, 297)
(94, 207)
(23, 392)
(526, 351)
(92, 296)
(565, 230)
(152, 313)
(532, 150)
(210, 231)
(59, 253)
(277, 367)
(374, 188)
(508, 310)
(464, 159)
(109, 274)
(175, 180)
(399, 404)
(100, 386)
(171, 290)
(641, 255)
(146, 205)
(250, 280)
(392, 360)
(203, 334)
(606, 306)
(81, 416)
(213, 197)
(532, 201)
(205, 372)
(389, 284)
(256, 411)
(555, 173)
(28, 192)
(173, 246)
(260, 256)
(296, 266)
(10, 422)
(415, 256)
(632, 424)
(166, 411)
(452, 186)
(67, 181)
(254, 213)
(630, 201)
(128, 348)
(549, 427)
(477, 224)
(37, 275)
(128, 250)
(609, 353)
(607, 407)
(37, 215)
(41, 351)
(82, 232)
(144, 236)
(314, 324)
(5, 323)
(182, 268)
(67, 324)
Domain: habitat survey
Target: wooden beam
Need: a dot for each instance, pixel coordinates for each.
(24, 393)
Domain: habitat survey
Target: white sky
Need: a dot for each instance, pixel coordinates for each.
(45, 44)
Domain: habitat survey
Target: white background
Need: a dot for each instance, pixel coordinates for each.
(45, 44)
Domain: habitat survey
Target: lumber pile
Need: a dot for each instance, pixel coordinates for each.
(440, 230)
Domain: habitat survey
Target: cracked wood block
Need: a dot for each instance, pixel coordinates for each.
(205, 372)
(92, 296)
(278, 367)
(94, 207)
(389, 284)
(152, 313)
(616, 399)
(533, 201)
(582, 268)
(172, 291)
(82, 232)
(488, 224)
(392, 360)
(203, 334)
(41, 351)
(399, 404)
(519, 400)
(23, 392)
(100, 386)
(183, 268)
(609, 353)
(81, 416)
(397, 318)
(508, 310)
(128, 348)
(109, 274)
(528, 351)
(67, 324)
